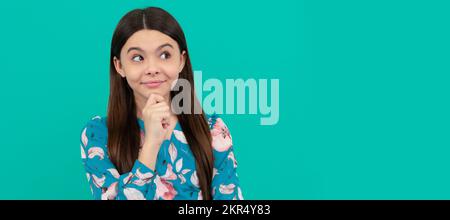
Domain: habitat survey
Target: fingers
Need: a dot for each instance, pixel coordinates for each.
(157, 110)
(155, 103)
(153, 99)
(161, 105)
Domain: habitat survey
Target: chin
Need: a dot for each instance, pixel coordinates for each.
(156, 91)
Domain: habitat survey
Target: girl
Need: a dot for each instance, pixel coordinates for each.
(142, 149)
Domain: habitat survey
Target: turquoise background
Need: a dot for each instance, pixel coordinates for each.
(364, 93)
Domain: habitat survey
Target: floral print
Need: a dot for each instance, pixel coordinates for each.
(221, 136)
(175, 175)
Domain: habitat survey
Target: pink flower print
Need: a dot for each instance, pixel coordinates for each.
(169, 175)
(164, 189)
(221, 136)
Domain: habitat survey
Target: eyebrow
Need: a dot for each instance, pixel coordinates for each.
(141, 50)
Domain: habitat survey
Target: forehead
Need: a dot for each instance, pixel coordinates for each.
(148, 40)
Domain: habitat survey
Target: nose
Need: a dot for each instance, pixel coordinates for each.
(151, 73)
(152, 69)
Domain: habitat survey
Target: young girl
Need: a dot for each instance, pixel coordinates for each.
(142, 149)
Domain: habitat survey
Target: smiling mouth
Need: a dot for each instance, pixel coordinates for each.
(153, 83)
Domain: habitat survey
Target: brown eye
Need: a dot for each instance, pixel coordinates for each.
(137, 58)
(165, 56)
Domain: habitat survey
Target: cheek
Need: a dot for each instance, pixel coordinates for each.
(133, 75)
(171, 71)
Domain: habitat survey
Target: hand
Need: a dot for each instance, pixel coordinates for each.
(156, 115)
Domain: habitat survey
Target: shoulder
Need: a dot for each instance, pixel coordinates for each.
(221, 137)
(211, 119)
(95, 130)
(215, 121)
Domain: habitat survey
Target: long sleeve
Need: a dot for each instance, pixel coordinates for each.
(225, 183)
(105, 181)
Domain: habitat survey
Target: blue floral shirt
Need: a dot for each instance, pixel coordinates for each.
(175, 175)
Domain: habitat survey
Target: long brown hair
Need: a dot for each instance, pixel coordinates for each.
(123, 129)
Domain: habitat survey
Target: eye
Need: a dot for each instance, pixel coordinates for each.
(165, 55)
(137, 58)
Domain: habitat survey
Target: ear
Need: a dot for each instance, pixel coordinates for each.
(118, 67)
(183, 61)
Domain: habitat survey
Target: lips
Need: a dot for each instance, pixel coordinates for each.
(153, 83)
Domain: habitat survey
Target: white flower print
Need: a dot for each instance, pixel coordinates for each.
(110, 193)
(143, 178)
(194, 179)
(200, 196)
(84, 138)
(182, 178)
(114, 173)
(133, 194)
(232, 158)
(179, 165)
(180, 136)
(96, 117)
(226, 189)
(96, 151)
(99, 181)
(83, 153)
(171, 179)
(169, 175)
(173, 152)
(127, 179)
(181, 175)
(240, 193)
(215, 172)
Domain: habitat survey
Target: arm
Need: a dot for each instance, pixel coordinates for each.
(225, 183)
(105, 181)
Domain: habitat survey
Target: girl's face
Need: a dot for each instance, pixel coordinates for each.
(150, 61)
